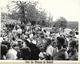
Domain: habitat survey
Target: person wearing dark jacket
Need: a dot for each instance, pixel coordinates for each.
(34, 50)
(25, 53)
(60, 42)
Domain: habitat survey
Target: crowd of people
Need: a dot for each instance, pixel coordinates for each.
(33, 43)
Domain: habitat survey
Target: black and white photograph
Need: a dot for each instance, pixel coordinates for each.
(39, 29)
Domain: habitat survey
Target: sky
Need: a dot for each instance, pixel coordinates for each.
(70, 9)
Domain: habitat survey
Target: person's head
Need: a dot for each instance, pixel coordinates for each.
(73, 44)
(48, 42)
(53, 44)
(20, 42)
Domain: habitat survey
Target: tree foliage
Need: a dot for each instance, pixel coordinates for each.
(27, 12)
(61, 23)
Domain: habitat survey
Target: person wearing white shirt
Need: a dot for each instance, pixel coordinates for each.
(51, 50)
(11, 54)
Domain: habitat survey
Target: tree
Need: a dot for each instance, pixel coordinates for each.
(42, 18)
(50, 20)
(27, 12)
(19, 9)
(61, 23)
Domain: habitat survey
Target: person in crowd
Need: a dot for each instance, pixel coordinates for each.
(60, 41)
(61, 55)
(4, 50)
(49, 49)
(25, 52)
(42, 54)
(73, 50)
(11, 54)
